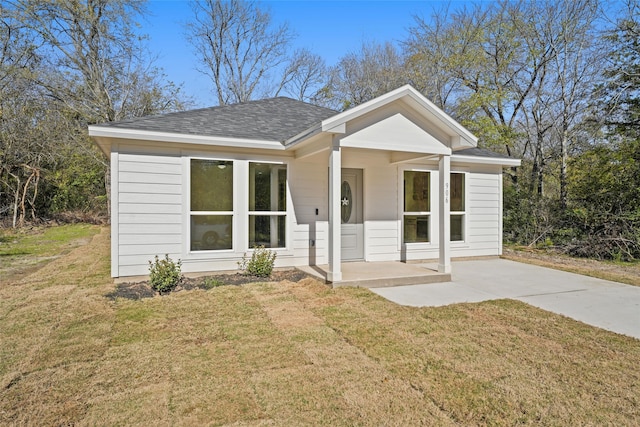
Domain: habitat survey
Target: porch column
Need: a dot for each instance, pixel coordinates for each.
(335, 173)
(444, 259)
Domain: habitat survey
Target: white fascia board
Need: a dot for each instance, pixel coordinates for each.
(144, 135)
(485, 160)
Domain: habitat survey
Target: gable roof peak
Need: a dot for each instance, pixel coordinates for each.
(415, 100)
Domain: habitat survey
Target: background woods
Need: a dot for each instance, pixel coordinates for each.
(554, 83)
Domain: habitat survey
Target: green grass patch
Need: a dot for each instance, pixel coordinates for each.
(24, 250)
(43, 241)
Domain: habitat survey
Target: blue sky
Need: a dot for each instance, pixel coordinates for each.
(328, 28)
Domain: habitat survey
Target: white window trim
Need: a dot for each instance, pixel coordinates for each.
(240, 213)
(433, 187)
(218, 253)
(286, 213)
(464, 213)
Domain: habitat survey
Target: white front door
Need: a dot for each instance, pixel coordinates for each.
(352, 228)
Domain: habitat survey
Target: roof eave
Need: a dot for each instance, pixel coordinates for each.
(145, 135)
(303, 136)
(501, 161)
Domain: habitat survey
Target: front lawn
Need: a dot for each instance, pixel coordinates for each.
(294, 354)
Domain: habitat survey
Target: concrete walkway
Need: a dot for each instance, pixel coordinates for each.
(607, 305)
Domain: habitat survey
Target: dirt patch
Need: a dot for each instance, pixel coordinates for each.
(140, 290)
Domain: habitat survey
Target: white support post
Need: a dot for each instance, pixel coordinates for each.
(444, 209)
(335, 173)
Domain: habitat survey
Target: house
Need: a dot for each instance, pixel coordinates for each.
(393, 179)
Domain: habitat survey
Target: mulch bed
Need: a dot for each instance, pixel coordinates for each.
(140, 290)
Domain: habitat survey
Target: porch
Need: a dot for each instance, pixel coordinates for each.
(380, 274)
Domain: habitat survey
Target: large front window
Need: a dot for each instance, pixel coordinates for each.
(417, 206)
(211, 204)
(457, 213)
(267, 205)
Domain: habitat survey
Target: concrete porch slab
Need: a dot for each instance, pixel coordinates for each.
(380, 274)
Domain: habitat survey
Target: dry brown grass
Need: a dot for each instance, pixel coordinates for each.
(295, 354)
(628, 273)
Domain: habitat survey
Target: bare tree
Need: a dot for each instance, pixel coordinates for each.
(304, 76)
(238, 48)
(427, 52)
(91, 67)
(361, 76)
(516, 73)
(20, 155)
(98, 65)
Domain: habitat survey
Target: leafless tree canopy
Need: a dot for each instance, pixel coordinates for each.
(361, 76)
(238, 48)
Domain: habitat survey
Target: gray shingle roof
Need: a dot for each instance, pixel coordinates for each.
(273, 119)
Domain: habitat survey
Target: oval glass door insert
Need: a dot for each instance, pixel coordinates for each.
(346, 200)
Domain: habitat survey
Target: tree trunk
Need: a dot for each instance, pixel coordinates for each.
(15, 210)
(563, 170)
(16, 200)
(23, 199)
(32, 202)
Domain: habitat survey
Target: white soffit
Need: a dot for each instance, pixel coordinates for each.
(395, 133)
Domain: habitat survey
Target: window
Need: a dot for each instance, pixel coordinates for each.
(267, 205)
(417, 206)
(457, 213)
(211, 204)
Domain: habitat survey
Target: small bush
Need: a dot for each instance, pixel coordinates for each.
(260, 264)
(165, 274)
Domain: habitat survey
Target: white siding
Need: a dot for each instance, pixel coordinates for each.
(381, 209)
(309, 191)
(482, 215)
(149, 209)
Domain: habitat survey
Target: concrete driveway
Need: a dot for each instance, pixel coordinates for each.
(607, 305)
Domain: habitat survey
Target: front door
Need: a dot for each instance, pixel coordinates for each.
(352, 229)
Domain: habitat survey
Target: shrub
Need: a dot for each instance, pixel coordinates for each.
(260, 264)
(165, 274)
